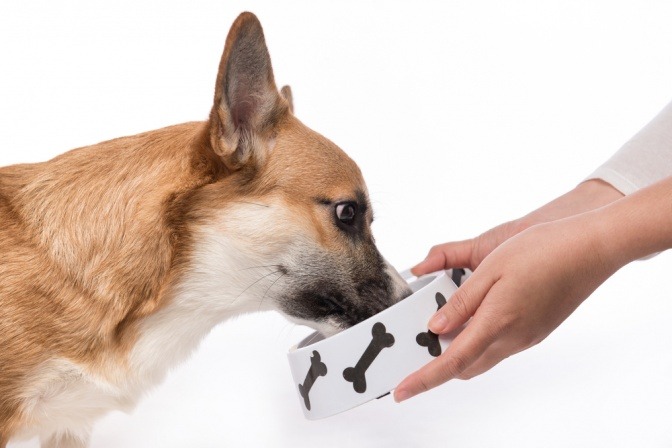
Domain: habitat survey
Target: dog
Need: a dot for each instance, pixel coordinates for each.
(117, 259)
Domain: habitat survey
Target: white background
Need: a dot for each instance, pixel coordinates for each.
(461, 115)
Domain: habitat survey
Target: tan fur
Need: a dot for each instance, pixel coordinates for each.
(95, 240)
(76, 236)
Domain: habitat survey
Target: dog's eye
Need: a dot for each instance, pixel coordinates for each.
(346, 212)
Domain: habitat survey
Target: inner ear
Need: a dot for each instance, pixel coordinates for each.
(249, 84)
(247, 104)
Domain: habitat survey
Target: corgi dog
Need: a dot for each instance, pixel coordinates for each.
(117, 259)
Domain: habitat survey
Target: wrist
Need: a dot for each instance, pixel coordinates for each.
(589, 195)
(596, 193)
(637, 226)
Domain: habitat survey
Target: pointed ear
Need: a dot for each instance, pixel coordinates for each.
(287, 95)
(247, 104)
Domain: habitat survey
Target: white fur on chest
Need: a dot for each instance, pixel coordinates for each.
(63, 397)
(226, 278)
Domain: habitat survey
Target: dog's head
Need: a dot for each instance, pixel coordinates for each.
(293, 212)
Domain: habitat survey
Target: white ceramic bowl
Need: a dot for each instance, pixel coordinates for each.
(369, 359)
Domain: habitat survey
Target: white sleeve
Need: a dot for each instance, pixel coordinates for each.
(645, 159)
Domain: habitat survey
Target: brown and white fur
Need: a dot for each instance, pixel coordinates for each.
(118, 258)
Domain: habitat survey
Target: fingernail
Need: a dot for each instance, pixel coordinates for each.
(438, 322)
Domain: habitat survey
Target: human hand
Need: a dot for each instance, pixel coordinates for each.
(518, 295)
(586, 196)
(467, 253)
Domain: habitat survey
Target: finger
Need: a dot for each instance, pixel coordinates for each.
(467, 347)
(462, 304)
(492, 356)
(444, 256)
(504, 347)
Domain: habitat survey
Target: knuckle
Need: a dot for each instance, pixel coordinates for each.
(454, 366)
(475, 259)
(423, 384)
(500, 326)
(517, 339)
(459, 304)
(433, 249)
(436, 250)
(495, 331)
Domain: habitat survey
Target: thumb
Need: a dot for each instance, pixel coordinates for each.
(462, 305)
(445, 256)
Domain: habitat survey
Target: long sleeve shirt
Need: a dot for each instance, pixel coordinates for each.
(645, 159)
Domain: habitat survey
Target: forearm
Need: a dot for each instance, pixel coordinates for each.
(635, 226)
(643, 161)
(586, 196)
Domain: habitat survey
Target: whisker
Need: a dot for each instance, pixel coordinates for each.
(253, 203)
(286, 330)
(313, 337)
(259, 267)
(254, 283)
(268, 289)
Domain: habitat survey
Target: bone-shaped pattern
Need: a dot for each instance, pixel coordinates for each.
(357, 375)
(409, 317)
(428, 338)
(317, 369)
(457, 276)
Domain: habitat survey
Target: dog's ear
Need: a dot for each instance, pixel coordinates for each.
(287, 94)
(247, 104)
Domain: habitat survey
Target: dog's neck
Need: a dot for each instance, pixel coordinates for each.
(219, 284)
(134, 265)
(108, 218)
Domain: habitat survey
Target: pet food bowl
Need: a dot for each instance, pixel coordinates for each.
(371, 358)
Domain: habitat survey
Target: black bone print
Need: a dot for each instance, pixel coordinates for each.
(429, 339)
(457, 276)
(317, 369)
(357, 375)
